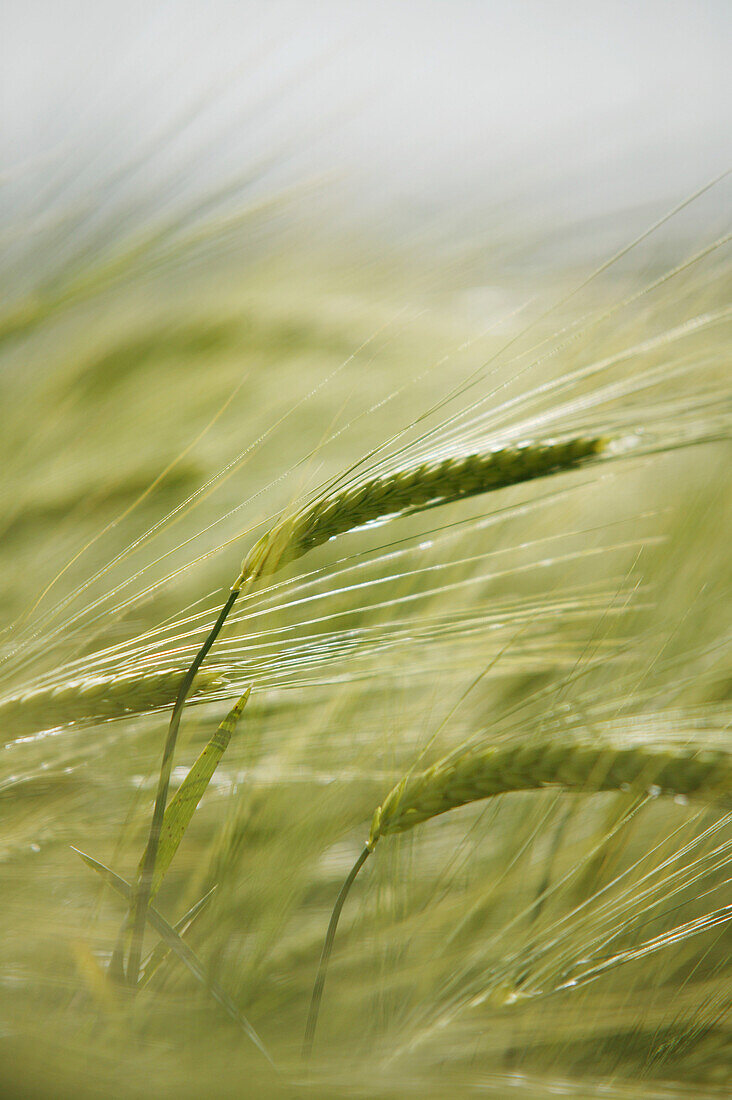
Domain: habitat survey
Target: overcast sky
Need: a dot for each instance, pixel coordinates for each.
(399, 101)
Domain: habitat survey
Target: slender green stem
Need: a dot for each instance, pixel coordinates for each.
(142, 894)
(317, 993)
(116, 969)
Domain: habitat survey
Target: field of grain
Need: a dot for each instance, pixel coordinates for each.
(164, 401)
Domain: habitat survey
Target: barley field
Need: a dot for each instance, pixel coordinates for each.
(477, 566)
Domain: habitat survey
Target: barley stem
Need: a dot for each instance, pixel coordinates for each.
(317, 993)
(144, 888)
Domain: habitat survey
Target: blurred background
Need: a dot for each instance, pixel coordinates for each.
(452, 120)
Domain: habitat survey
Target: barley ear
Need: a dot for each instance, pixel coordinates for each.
(585, 766)
(431, 483)
(385, 811)
(271, 552)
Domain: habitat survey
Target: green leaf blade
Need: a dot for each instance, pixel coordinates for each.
(184, 803)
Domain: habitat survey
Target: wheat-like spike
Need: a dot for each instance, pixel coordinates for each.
(576, 766)
(407, 490)
(95, 698)
(492, 770)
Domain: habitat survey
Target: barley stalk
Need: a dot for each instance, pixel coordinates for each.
(140, 898)
(483, 773)
(331, 515)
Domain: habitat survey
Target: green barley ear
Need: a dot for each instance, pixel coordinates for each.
(459, 779)
(409, 490)
(97, 697)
